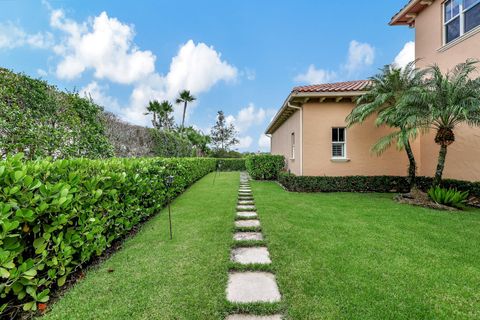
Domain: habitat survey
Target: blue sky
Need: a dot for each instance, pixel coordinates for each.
(242, 57)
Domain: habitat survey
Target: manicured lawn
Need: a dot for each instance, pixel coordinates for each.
(156, 278)
(363, 256)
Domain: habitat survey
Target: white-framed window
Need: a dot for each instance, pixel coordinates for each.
(292, 145)
(460, 17)
(339, 143)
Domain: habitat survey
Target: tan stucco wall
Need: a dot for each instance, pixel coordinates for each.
(463, 158)
(319, 118)
(280, 142)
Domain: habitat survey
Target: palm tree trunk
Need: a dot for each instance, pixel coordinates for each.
(412, 167)
(442, 155)
(184, 111)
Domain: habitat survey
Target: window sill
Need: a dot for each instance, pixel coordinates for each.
(340, 160)
(465, 36)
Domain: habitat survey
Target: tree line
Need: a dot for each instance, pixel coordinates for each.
(40, 120)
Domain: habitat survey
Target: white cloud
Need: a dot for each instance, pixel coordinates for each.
(360, 56)
(244, 142)
(316, 76)
(98, 93)
(13, 36)
(406, 55)
(264, 142)
(196, 67)
(102, 44)
(248, 117)
(106, 46)
(42, 73)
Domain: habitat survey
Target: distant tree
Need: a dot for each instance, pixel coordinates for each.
(162, 114)
(185, 97)
(199, 141)
(165, 117)
(223, 135)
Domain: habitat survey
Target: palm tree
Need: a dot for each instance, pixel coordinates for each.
(185, 97)
(445, 101)
(385, 94)
(165, 119)
(153, 108)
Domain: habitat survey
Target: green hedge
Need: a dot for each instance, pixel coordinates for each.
(231, 164)
(265, 166)
(57, 215)
(368, 184)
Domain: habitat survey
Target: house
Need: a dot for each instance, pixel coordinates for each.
(310, 128)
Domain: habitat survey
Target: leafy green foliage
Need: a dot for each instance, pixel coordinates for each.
(171, 143)
(39, 120)
(369, 184)
(231, 164)
(265, 166)
(57, 215)
(448, 197)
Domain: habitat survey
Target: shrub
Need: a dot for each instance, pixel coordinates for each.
(369, 184)
(344, 184)
(170, 143)
(39, 120)
(231, 164)
(265, 166)
(448, 197)
(57, 215)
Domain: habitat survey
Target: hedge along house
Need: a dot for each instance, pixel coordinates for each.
(310, 128)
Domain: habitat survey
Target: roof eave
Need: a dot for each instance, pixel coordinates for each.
(406, 17)
(308, 95)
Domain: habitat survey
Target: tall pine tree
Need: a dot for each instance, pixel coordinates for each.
(223, 135)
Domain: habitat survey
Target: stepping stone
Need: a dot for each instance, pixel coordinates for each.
(247, 223)
(245, 202)
(253, 317)
(245, 190)
(247, 214)
(247, 236)
(246, 208)
(246, 287)
(251, 255)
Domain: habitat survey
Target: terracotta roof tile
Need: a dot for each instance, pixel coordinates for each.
(358, 85)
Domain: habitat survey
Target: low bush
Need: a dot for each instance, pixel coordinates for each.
(265, 166)
(369, 184)
(344, 184)
(448, 197)
(57, 215)
(231, 164)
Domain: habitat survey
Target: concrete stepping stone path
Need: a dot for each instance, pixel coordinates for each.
(247, 214)
(248, 236)
(249, 317)
(246, 287)
(247, 223)
(251, 255)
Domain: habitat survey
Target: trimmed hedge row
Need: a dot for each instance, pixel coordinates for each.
(265, 166)
(57, 215)
(234, 164)
(368, 184)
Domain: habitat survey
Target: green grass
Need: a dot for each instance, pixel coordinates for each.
(157, 278)
(363, 256)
